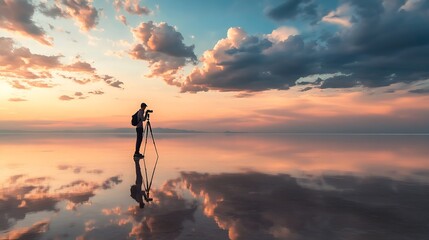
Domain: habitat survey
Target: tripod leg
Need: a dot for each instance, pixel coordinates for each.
(146, 181)
(157, 156)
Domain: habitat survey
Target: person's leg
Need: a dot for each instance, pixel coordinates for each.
(139, 139)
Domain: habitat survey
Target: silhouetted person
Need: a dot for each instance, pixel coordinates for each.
(136, 190)
(139, 129)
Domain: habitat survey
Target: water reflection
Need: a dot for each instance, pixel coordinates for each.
(216, 187)
(23, 195)
(137, 193)
(262, 206)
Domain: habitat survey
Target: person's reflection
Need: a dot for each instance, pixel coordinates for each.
(136, 190)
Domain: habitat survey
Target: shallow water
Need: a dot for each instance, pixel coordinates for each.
(215, 186)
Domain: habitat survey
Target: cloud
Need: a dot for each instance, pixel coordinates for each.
(13, 179)
(82, 11)
(24, 69)
(341, 16)
(51, 11)
(16, 84)
(81, 81)
(75, 169)
(39, 84)
(420, 90)
(292, 9)
(306, 89)
(365, 53)
(241, 62)
(131, 6)
(95, 171)
(93, 77)
(65, 98)
(165, 217)
(339, 82)
(21, 63)
(16, 16)
(281, 34)
(111, 182)
(80, 95)
(109, 80)
(79, 66)
(96, 92)
(17, 100)
(122, 19)
(34, 232)
(163, 48)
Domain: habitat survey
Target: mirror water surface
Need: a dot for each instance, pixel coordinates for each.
(215, 186)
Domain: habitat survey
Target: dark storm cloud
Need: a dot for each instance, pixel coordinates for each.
(256, 65)
(340, 82)
(292, 9)
(261, 206)
(420, 90)
(386, 43)
(16, 16)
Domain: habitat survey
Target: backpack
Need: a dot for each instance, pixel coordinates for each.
(135, 119)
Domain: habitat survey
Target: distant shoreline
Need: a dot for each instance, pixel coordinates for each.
(127, 131)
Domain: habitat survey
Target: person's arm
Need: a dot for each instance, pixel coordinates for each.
(145, 116)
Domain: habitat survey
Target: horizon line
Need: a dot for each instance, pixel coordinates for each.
(181, 131)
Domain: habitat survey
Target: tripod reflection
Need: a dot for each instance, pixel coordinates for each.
(136, 190)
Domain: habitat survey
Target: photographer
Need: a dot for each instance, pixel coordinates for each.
(142, 116)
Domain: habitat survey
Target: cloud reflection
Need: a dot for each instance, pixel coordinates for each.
(22, 195)
(36, 231)
(261, 206)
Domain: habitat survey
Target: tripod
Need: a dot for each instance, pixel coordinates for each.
(148, 128)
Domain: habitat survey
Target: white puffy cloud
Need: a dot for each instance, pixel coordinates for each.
(163, 48)
(340, 16)
(82, 11)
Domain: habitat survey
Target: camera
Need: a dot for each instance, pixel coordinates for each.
(149, 111)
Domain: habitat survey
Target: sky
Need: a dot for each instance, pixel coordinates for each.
(349, 66)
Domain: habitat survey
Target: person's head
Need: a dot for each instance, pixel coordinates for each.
(143, 106)
(134, 191)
